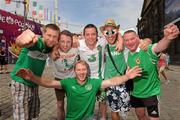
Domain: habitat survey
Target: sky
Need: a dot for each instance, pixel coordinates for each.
(82, 12)
(75, 14)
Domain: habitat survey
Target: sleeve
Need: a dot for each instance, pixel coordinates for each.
(103, 40)
(36, 46)
(64, 83)
(98, 83)
(153, 56)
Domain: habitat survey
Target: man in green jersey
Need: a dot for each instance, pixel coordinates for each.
(147, 87)
(26, 103)
(115, 64)
(81, 90)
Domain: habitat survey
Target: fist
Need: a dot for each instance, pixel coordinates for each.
(171, 31)
(27, 38)
(144, 44)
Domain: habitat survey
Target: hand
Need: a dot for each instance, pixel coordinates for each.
(134, 72)
(171, 31)
(144, 44)
(55, 53)
(25, 73)
(27, 38)
(120, 43)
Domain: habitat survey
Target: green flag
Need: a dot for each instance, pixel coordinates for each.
(40, 7)
(34, 3)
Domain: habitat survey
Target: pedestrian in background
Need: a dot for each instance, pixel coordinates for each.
(3, 61)
(162, 64)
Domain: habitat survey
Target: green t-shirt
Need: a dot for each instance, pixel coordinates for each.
(148, 84)
(33, 58)
(119, 60)
(80, 98)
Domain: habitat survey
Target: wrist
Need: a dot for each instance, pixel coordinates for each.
(167, 39)
(127, 76)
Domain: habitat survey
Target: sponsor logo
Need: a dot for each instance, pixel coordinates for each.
(154, 112)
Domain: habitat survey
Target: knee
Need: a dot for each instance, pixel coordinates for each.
(115, 116)
(141, 114)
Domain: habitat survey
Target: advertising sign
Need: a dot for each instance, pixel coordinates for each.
(11, 26)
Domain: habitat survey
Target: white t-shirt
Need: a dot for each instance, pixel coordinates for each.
(64, 66)
(95, 57)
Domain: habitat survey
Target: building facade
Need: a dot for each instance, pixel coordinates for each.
(155, 15)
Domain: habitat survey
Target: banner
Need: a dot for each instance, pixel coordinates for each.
(47, 16)
(11, 26)
(7, 1)
(40, 7)
(34, 4)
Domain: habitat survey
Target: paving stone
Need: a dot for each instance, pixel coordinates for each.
(170, 97)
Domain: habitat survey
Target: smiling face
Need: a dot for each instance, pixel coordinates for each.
(90, 33)
(90, 36)
(81, 71)
(131, 41)
(50, 37)
(110, 33)
(65, 43)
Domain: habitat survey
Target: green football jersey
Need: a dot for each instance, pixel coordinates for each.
(148, 84)
(80, 98)
(119, 60)
(33, 58)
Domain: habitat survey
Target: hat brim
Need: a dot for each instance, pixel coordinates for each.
(103, 27)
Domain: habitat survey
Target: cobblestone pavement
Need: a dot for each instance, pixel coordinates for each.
(170, 98)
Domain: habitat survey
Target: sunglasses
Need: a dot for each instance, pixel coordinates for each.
(110, 32)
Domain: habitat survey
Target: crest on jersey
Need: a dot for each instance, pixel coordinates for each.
(88, 87)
